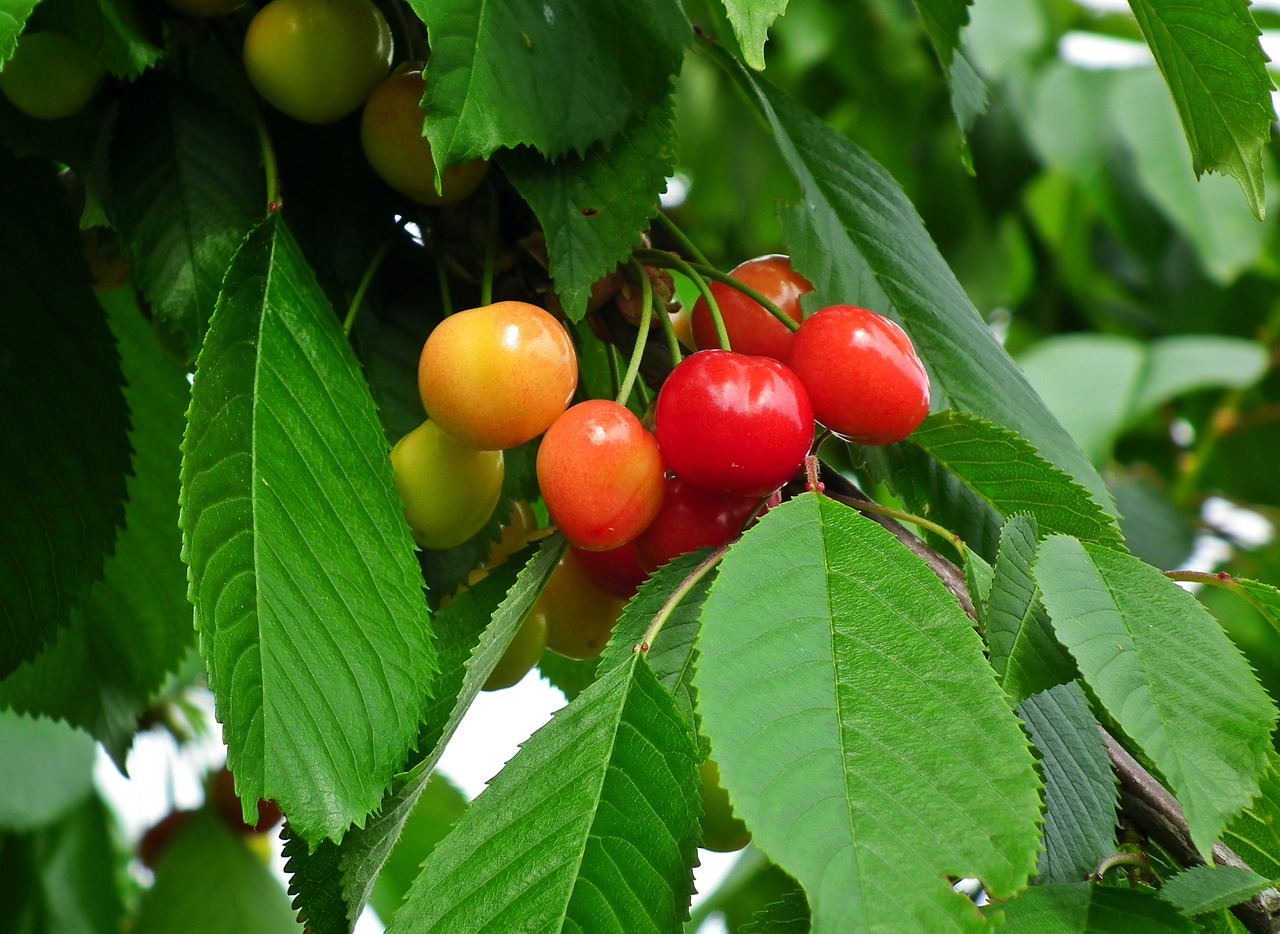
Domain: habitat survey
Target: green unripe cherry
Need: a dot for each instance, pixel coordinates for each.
(50, 76)
(449, 489)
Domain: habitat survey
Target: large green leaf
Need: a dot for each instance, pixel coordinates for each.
(1216, 70)
(593, 208)
(209, 882)
(1166, 673)
(1079, 785)
(1202, 889)
(1125, 379)
(309, 604)
(13, 17)
(591, 827)
(113, 30)
(1022, 650)
(187, 186)
(472, 634)
(1255, 834)
(134, 627)
(439, 806)
(751, 20)
(832, 686)
(557, 76)
(46, 769)
(1091, 909)
(943, 22)
(60, 397)
(859, 240)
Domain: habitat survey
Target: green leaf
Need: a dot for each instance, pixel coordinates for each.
(859, 240)
(1079, 785)
(13, 18)
(1090, 909)
(61, 878)
(751, 20)
(1026, 657)
(439, 806)
(308, 601)
(570, 675)
(592, 826)
(495, 63)
(209, 882)
(1164, 670)
(672, 655)
(187, 187)
(46, 769)
(471, 637)
(593, 208)
(134, 627)
(1254, 835)
(112, 30)
(828, 684)
(1008, 473)
(60, 396)
(1202, 889)
(943, 22)
(1129, 379)
(788, 916)
(1209, 55)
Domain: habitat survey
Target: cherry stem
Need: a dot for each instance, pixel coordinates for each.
(1117, 859)
(442, 276)
(811, 469)
(269, 164)
(490, 249)
(365, 280)
(642, 338)
(876, 509)
(712, 273)
(664, 613)
(682, 239)
(668, 330)
(682, 266)
(1224, 581)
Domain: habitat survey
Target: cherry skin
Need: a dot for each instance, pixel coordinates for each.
(449, 489)
(579, 615)
(391, 134)
(751, 329)
(522, 653)
(722, 830)
(222, 792)
(50, 76)
(600, 474)
(617, 571)
(497, 376)
(862, 374)
(513, 534)
(734, 424)
(317, 60)
(691, 518)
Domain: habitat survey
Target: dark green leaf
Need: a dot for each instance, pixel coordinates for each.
(591, 827)
(1026, 657)
(112, 30)
(46, 769)
(1079, 786)
(1255, 834)
(943, 21)
(751, 20)
(1090, 909)
(209, 882)
(13, 17)
(593, 208)
(134, 628)
(1216, 70)
(62, 877)
(471, 637)
(788, 916)
(309, 604)
(1202, 889)
(438, 807)
(827, 683)
(187, 187)
(557, 76)
(1164, 670)
(859, 240)
(572, 676)
(60, 396)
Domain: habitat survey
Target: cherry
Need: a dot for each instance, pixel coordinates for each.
(50, 76)
(600, 474)
(156, 841)
(691, 518)
(862, 374)
(751, 329)
(497, 376)
(449, 489)
(518, 529)
(222, 792)
(579, 615)
(522, 653)
(617, 571)
(732, 423)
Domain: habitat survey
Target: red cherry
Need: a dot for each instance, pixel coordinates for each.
(731, 423)
(691, 518)
(751, 329)
(862, 374)
(616, 571)
(600, 474)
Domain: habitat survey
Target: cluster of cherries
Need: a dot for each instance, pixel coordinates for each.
(730, 428)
